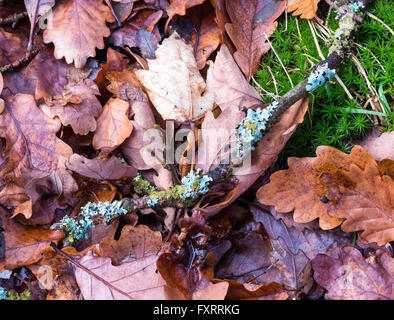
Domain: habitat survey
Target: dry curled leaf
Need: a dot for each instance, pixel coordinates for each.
(336, 187)
(113, 126)
(173, 82)
(77, 29)
(306, 8)
(349, 276)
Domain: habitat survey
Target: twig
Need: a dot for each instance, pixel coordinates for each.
(13, 19)
(79, 265)
(12, 66)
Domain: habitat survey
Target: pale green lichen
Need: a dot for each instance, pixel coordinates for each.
(11, 295)
(141, 185)
(356, 6)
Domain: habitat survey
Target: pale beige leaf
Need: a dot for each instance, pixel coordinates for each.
(173, 82)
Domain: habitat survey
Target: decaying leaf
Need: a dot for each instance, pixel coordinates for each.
(349, 276)
(306, 8)
(111, 169)
(134, 243)
(77, 29)
(173, 82)
(178, 7)
(51, 74)
(293, 250)
(336, 187)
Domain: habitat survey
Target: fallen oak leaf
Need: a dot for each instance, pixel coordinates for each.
(80, 110)
(178, 7)
(349, 276)
(77, 29)
(133, 243)
(111, 169)
(306, 8)
(113, 126)
(336, 187)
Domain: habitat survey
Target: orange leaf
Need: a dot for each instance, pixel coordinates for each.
(334, 187)
(306, 8)
(113, 126)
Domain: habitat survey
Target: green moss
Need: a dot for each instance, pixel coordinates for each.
(332, 119)
(141, 185)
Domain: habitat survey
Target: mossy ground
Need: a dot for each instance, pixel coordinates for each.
(333, 118)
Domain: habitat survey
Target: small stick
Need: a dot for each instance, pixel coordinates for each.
(13, 19)
(66, 256)
(12, 66)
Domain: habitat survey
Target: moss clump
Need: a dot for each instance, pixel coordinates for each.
(333, 118)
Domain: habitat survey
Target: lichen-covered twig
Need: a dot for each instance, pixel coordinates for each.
(250, 131)
(25, 60)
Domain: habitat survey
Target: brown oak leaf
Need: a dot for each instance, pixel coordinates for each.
(306, 8)
(336, 187)
(77, 29)
(79, 108)
(349, 276)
